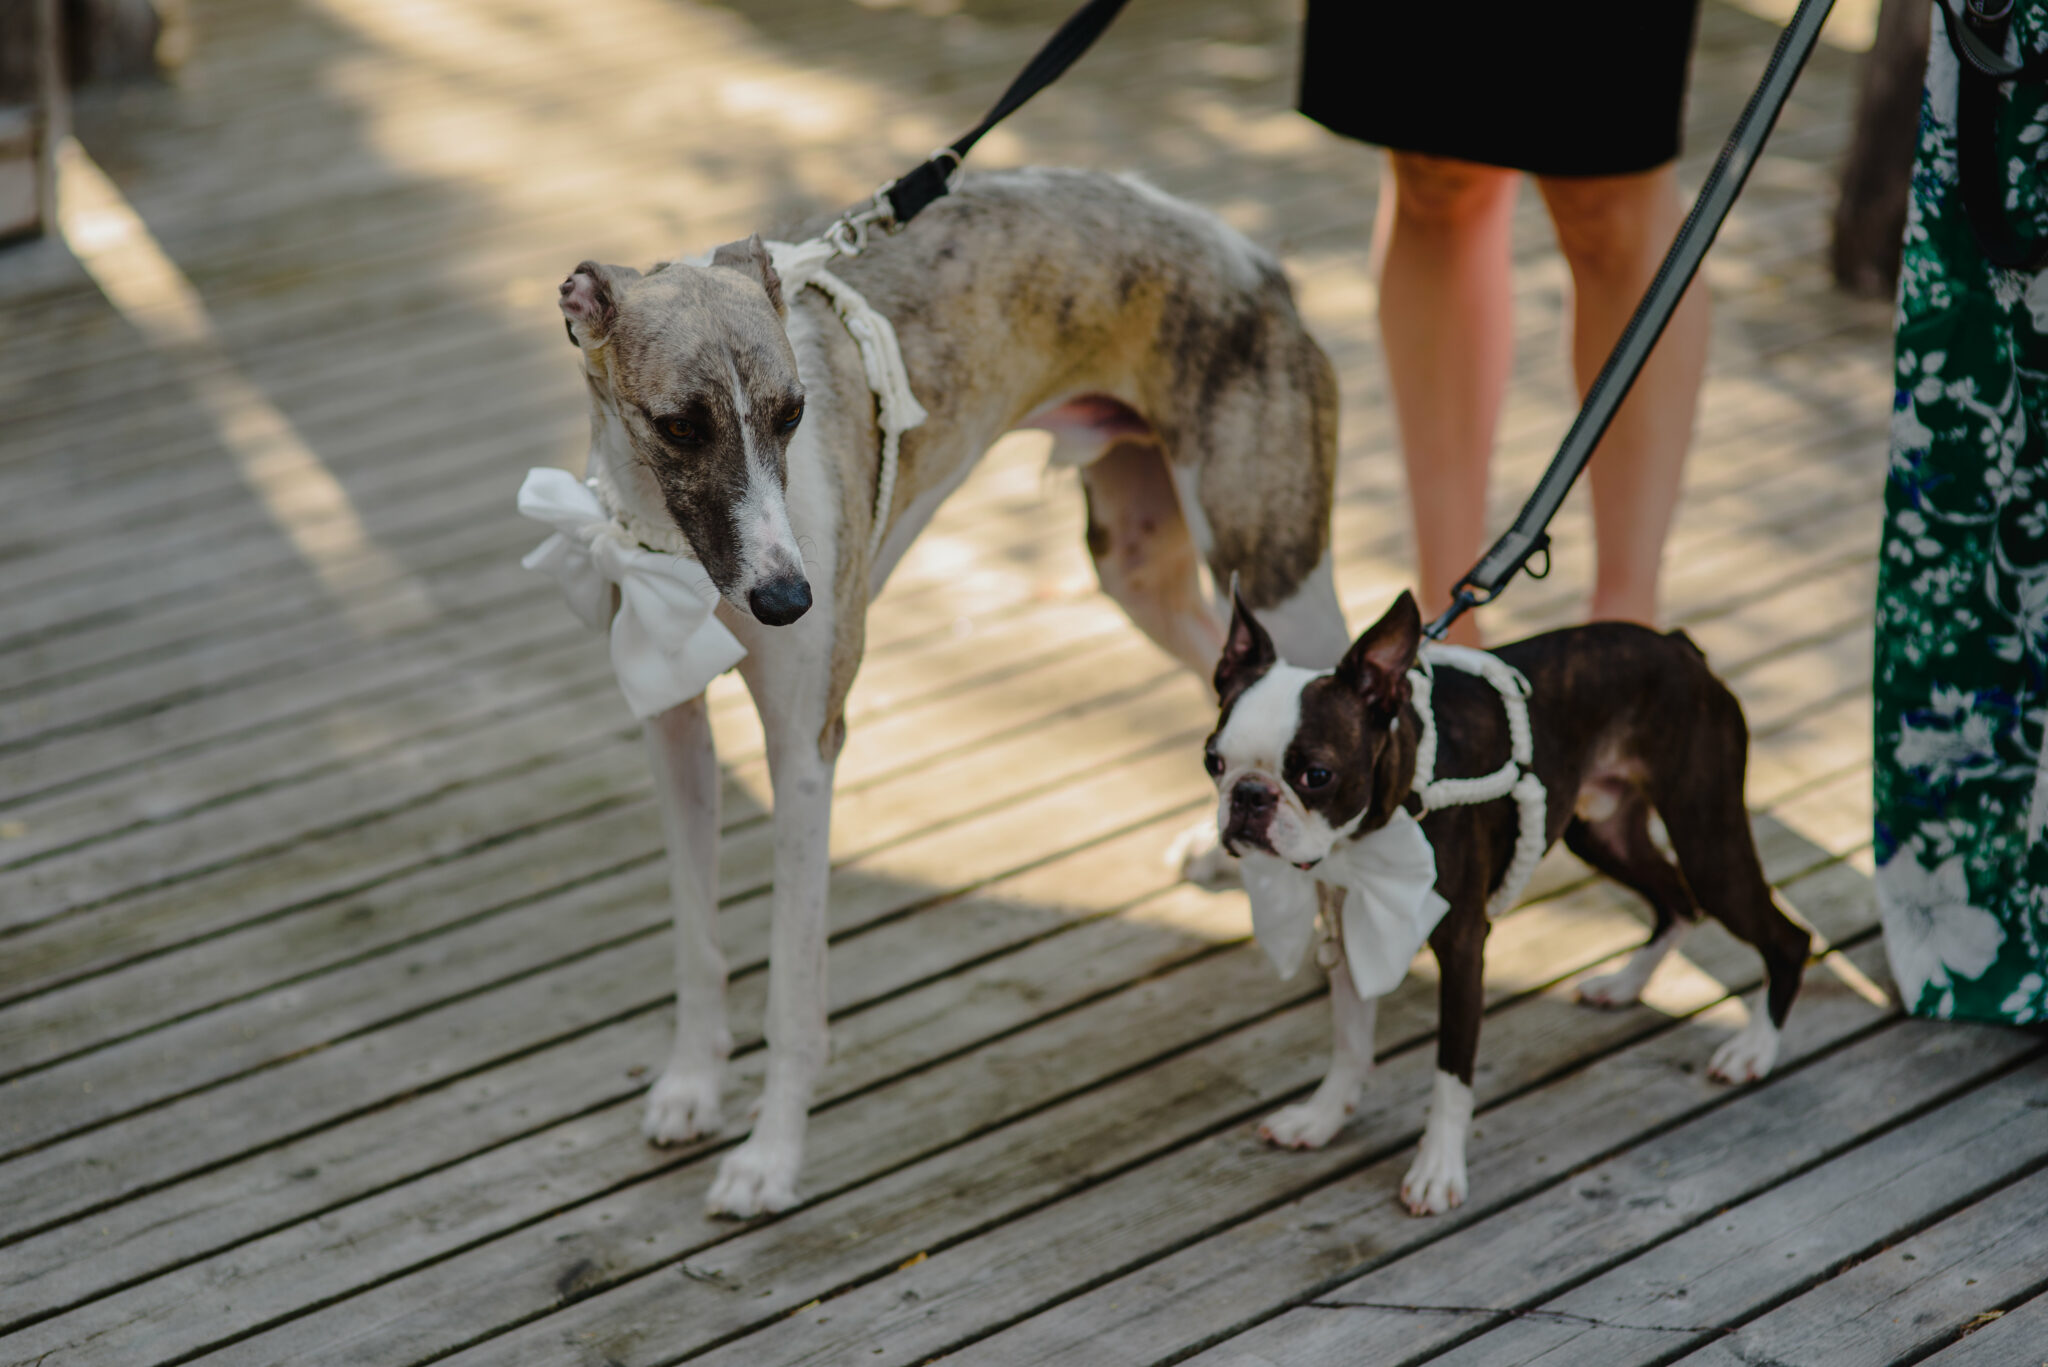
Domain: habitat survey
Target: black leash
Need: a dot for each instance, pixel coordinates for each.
(1522, 542)
(896, 203)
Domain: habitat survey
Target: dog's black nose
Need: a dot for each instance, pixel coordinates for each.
(1252, 795)
(781, 601)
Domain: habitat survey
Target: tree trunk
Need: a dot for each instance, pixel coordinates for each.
(1870, 217)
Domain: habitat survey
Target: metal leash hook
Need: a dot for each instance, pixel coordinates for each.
(849, 232)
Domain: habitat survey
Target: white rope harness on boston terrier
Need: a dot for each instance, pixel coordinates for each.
(667, 644)
(1515, 778)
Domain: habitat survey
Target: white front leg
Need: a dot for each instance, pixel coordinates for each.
(1436, 1181)
(1313, 1123)
(683, 1103)
(760, 1175)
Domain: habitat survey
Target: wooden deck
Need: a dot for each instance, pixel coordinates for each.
(333, 953)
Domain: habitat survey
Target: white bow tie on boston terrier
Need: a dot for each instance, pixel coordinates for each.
(667, 644)
(1390, 903)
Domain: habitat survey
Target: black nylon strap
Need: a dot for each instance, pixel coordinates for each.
(1979, 41)
(1978, 38)
(1522, 541)
(910, 194)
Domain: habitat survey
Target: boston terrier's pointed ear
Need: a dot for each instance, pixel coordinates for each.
(1376, 667)
(1247, 652)
(589, 300)
(750, 257)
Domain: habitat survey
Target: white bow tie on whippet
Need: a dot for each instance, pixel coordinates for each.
(667, 644)
(1390, 903)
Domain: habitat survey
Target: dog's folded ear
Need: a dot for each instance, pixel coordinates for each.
(750, 257)
(590, 302)
(1247, 652)
(1376, 667)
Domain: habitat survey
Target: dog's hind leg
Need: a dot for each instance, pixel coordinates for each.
(1612, 833)
(1144, 555)
(1146, 559)
(683, 1103)
(1701, 802)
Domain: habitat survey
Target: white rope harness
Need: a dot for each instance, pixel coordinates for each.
(881, 356)
(1515, 778)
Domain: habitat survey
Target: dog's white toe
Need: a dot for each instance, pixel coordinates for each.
(1305, 1125)
(1750, 1055)
(1618, 989)
(1435, 1183)
(1201, 858)
(756, 1177)
(682, 1104)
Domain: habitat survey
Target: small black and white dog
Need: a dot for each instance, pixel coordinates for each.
(1625, 722)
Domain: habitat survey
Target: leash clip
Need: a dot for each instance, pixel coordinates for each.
(848, 234)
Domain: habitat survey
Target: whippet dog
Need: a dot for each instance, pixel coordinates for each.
(1162, 350)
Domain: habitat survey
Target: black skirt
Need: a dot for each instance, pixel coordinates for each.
(1592, 88)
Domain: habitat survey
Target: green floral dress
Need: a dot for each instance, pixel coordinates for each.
(1961, 677)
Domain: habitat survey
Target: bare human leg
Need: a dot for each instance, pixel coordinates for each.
(1441, 246)
(1613, 231)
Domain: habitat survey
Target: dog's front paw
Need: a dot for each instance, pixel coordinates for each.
(1617, 989)
(682, 1104)
(758, 1176)
(1201, 859)
(1306, 1125)
(1749, 1056)
(1435, 1182)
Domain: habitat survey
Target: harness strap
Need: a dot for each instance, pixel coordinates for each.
(881, 357)
(1516, 778)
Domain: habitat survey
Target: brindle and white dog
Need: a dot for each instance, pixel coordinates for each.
(1161, 348)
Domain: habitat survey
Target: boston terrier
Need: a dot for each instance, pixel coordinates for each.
(1626, 723)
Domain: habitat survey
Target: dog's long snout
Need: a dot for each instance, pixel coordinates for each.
(781, 600)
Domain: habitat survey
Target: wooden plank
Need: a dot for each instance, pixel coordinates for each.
(1625, 928)
(1007, 1274)
(907, 993)
(874, 1129)
(925, 1209)
(160, 1144)
(2013, 1339)
(1420, 1298)
(1915, 1295)
(1736, 1263)
(54, 1101)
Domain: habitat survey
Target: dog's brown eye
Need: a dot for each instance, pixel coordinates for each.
(1313, 778)
(1213, 762)
(792, 418)
(679, 429)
